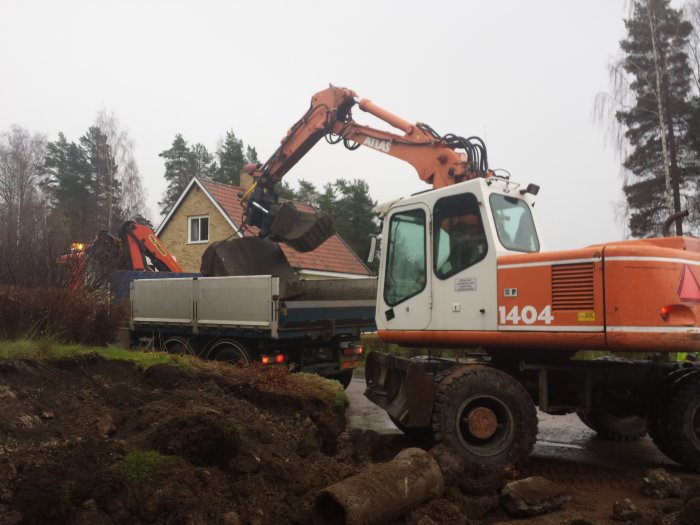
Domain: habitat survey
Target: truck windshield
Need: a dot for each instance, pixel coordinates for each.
(405, 258)
(514, 224)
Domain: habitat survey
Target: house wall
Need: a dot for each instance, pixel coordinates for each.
(174, 235)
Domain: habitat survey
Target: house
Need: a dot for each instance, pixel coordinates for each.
(209, 211)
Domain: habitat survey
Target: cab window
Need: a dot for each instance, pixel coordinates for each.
(458, 236)
(514, 224)
(405, 261)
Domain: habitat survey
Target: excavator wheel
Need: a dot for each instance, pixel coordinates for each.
(681, 422)
(657, 418)
(486, 414)
(614, 418)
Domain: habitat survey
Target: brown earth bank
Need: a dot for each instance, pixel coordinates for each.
(90, 441)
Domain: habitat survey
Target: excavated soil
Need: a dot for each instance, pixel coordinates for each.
(236, 446)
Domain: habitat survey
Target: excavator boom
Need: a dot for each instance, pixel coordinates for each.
(435, 158)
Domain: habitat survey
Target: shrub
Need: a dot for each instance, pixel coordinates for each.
(53, 315)
(138, 465)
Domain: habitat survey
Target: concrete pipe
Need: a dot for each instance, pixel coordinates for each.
(381, 492)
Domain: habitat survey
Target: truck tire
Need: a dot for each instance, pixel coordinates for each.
(230, 351)
(613, 418)
(486, 414)
(681, 423)
(178, 346)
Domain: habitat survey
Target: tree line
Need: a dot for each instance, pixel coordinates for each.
(56, 192)
(53, 193)
(654, 107)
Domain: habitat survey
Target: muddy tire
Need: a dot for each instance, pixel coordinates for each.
(681, 423)
(657, 418)
(230, 351)
(613, 421)
(486, 414)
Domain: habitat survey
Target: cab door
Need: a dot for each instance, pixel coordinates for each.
(405, 300)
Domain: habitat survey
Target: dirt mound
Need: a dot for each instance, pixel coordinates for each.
(89, 441)
(94, 441)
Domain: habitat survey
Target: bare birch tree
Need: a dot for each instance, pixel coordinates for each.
(132, 198)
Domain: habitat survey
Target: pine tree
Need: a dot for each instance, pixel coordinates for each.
(657, 124)
(202, 163)
(104, 187)
(67, 183)
(178, 161)
(231, 160)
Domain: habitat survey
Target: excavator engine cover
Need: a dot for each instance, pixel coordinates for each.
(303, 231)
(251, 256)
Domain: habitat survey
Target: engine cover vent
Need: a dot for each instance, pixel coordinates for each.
(572, 287)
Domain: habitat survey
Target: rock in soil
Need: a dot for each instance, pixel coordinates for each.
(659, 484)
(533, 496)
(624, 510)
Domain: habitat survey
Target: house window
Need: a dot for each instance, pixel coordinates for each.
(199, 229)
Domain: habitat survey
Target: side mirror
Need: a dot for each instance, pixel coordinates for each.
(372, 248)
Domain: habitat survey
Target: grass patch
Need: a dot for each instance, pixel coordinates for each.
(138, 465)
(47, 349)
(330, 389)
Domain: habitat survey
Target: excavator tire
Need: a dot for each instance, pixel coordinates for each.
(657, 418)
(612, 420)
(486, 414)
(681, 423)
(302, 231)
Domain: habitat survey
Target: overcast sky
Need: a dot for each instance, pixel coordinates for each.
(521, 74)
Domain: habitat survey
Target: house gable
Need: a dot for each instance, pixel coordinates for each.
(195, 202)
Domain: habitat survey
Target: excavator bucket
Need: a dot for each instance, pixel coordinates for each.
(303, 231)
(251, 256)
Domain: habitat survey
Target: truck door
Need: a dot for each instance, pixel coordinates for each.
(405, 299)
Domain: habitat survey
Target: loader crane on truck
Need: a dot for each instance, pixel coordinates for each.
(462, 267)
(92, 265)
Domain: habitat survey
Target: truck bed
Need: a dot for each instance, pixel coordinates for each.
(246, 303)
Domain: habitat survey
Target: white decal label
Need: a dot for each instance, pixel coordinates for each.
(465, 285)
(526, 315)
(510, 292)
(379, 145)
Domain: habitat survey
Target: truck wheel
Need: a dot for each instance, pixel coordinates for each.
(613, 418)
(230, 351)
(486, 414)
(344, 377)
(682, 423)
(178, 346)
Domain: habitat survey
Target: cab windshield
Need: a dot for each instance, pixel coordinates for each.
(514, 224)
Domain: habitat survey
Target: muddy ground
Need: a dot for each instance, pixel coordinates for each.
(236, 446)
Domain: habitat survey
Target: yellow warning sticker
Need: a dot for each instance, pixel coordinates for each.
(586, 316)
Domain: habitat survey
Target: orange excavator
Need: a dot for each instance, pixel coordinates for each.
(90, 266)
(462, 267)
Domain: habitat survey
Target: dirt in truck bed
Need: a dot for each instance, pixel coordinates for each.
(90, 441)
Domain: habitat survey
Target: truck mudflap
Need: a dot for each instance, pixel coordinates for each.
(404, 387)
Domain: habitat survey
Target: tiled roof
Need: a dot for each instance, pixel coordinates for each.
(334, 255)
